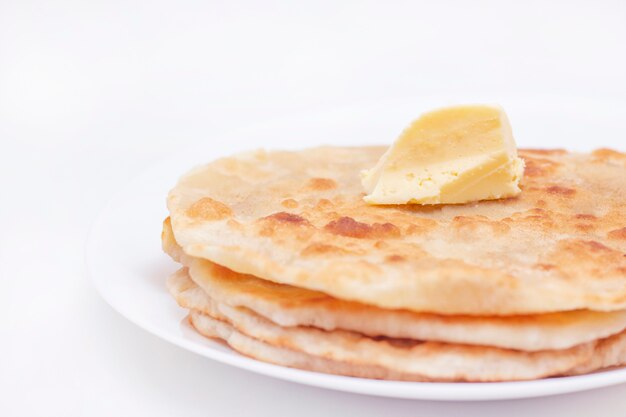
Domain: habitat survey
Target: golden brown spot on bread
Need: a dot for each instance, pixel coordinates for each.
(321, 184)
(563, 191)
(395, 258)
(234, 224)
(299, 228)
(585, 227)
(537, 217)
(586, 259)
(594, 246)
(315, 249)
(583, 216)
(471, 224)
(543, 151)
(420, 226)
(539, 167)
(580, 250)
(288, 218)
(606, 155)
(289, 203)
(209, 209)
(604, 152)
(347, 226)
(324, 204)
(617, 234)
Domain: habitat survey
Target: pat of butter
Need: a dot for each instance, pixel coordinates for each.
(447, 156)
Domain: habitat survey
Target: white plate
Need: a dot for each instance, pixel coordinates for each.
(128, 268)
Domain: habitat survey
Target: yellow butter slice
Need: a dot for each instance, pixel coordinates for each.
(448, 156)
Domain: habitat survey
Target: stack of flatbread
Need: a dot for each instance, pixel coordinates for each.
(283, 260)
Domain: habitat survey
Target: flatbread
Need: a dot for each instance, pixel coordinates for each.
(614, 353)
(608, 353)
(429, 360)
(286, 305)
(299, 218)
(214, 328)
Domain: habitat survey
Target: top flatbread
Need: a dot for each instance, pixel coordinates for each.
(299, 218)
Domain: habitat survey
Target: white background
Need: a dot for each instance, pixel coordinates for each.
(92, 92)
